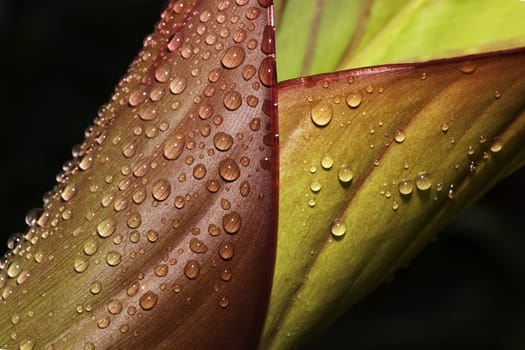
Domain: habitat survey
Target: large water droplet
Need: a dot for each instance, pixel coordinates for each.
(267, 72)
(68, 192)
(232, 222)
(399, 136)
(354, 100)
(178, 85)
(345, 174)
(405, 187)
(114, 307)
(232, 100)
(148, 300)
(192, 269)
(322, 113)
(423, 181)
(223, 141)
(106, 227)
(233, 57)
(338, 228)
(327, 162)
(113, 258)
(161, 190)
(173, 147)
(229, 170)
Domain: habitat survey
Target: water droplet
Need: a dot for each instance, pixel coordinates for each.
(68, 192)
(226, 250)
(161, 270)
(163, 72)
(148, 300)
(345, 174)
(224, 302)
(423, 181)
(354, 100)
(233, 57)
(95, 287)
(178, 85)
(327, 162)
(213, 185)
(80, 264)
(399, 136)
(175, 41)
(267, 43)
(322, 113)
(405, 187)
(197, 246)
(199, 171)
(106, 227)
(192, 269)
(229, 170)
(467, 68)
(161, 190)
(267, 72)
(27, 345)
(232, 100)
(315, 186)
(223, 141)
(245, 188)
(338, 228)
(134, 220)
(497, 145)
(232, 222)
(113, 258)
(173, 147)
(114, 307)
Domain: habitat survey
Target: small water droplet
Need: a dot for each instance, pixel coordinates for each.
(161, 270)
(95, 287)
(213, 185)
(80, 264)
(338, 228)
(27, 345)
(468, 68)
(148, 300)
(405, 187)
(114, 307)
(224, 302)
(134, 220)
(322, 113)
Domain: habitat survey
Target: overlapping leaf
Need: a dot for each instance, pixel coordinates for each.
(327, 35)
(375, 162)
(161, 232)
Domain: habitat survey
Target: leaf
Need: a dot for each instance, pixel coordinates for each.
(149, 240)
(327, 35)
(375, 162)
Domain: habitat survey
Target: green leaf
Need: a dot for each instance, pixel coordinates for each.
(150, 240)
(374, 162)
(319, 36)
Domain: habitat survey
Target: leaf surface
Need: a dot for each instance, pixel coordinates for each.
(150, 240)
(320, 36)
(374, 162)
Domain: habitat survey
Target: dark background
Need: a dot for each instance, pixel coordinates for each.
(61, 60)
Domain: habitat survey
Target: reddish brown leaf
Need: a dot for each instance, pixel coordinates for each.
(161, 232)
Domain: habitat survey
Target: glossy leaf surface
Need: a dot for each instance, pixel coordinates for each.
(150, 240)
(375, 162)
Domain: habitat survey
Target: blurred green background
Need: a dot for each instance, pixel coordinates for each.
(61, 62)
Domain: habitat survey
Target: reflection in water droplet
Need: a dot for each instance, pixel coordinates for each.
(229, 170)
(232, 222)
(338, 228)
(148, 300)
(106, 227)
(327, 162)
(354, 100)
(192, 269)
(405, 187)
(321, 113)
(423, 181)
(315, 185)
(226, 250)
(161, 190)
(233, 57)
(345, 174)
(399, 136)
(497, 145)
